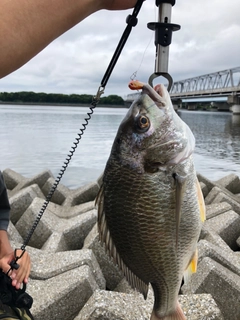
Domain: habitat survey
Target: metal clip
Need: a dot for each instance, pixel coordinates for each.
(97, 97)
(163, 38)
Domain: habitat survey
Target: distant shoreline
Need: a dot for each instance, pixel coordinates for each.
(47, 104)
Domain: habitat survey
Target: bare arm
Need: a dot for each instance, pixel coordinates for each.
(28, 26)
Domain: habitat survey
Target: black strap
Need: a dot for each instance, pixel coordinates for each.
(131, 22)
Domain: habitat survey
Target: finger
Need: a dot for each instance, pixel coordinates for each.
(24, 269)
(18, 285)
(28, 272)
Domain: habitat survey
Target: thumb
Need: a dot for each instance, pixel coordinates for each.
(5, 267)
(4, 262)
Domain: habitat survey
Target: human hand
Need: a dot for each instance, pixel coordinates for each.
(22, 273)
(118, 4)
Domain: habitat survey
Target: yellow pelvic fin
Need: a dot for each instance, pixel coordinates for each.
(192, 267)
(201, 203)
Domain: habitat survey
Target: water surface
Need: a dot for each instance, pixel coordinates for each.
(35, 138)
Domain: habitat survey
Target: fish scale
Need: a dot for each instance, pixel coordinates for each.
(143, 195)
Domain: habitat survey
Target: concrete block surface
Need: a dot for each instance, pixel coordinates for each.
(73, 278)
(84, 194)
(77, 228)
(11, 178)
(109, 305)
(59, 195)
(227, 225)
(111, 272)
(39, 179)
(223, 285)
(204, 188)
(231, 182)
(225, 256)
(214, 209)
(212, 195)
(21, 200)
(48, 265)
(63, 296)
(234, 202)
(238, 241)
(44, 228)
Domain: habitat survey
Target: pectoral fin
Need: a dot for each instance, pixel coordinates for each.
(201, 203)
(180, 190)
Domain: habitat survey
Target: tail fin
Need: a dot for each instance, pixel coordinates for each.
(177, 315)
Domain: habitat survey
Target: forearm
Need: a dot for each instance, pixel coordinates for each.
(28, 26)
(4, 205)
(5, 247)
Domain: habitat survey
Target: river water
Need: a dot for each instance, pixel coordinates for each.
(35, 138)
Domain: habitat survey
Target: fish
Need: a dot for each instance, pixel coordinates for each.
(150, 204)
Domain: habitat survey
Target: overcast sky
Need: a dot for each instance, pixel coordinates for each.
(209, 41)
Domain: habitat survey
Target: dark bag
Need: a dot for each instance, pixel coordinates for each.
(14, 304)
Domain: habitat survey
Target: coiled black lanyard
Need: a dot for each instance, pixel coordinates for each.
(131, 22)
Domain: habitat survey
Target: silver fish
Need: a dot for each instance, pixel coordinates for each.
(150, 205)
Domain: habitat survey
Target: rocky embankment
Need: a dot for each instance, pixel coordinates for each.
(73, 279)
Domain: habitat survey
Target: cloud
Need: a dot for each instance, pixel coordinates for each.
(77, 61)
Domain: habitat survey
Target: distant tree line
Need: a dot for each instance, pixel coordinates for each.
(41, 97)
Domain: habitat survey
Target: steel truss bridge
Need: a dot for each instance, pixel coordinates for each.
(221, 83)
(217, 84)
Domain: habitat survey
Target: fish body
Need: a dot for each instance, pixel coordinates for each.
(150, 206)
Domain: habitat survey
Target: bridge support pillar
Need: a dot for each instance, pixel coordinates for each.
(234, 102)
(236, 109)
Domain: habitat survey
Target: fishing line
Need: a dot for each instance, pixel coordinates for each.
(134, 74)
(131, 22)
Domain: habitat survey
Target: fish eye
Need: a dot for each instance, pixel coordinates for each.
(142, 123)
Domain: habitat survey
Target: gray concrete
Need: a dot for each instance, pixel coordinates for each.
(215, 209)
(63, 296)
(236, 109)
(73, 278)
(223, 285)
(227, 225)
(231, 183)
(110, 271)
(238, 242)
(104, 305)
